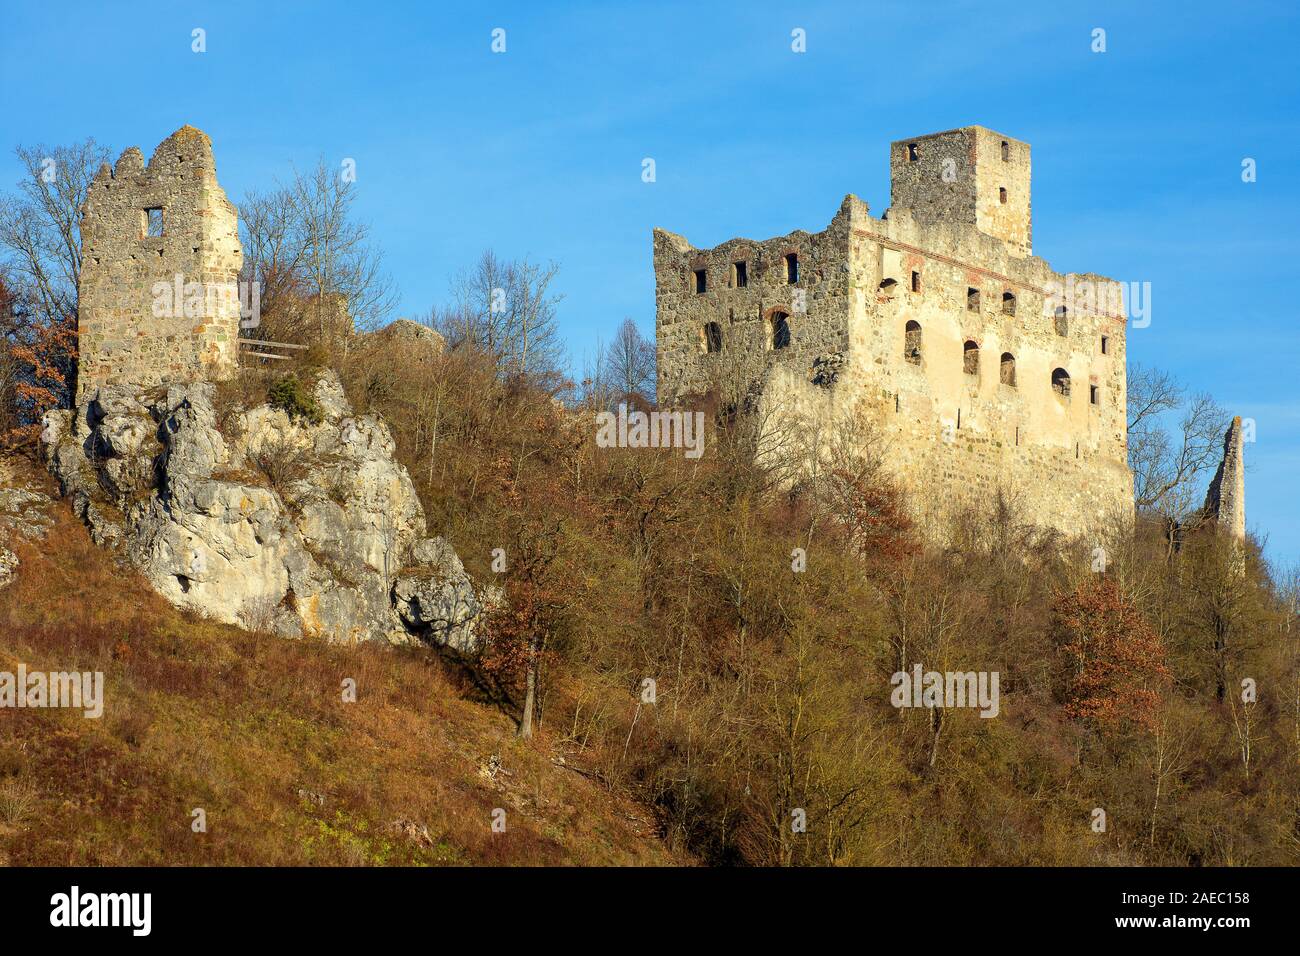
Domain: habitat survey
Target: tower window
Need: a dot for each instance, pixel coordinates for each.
(1105, 345)
(712, 337)
(740, 274)
(970, 358)
(1006, 151)
(153, 223)
(972, 299)
(1008, 303)
(701, 281)
(1002, 195)
(916, 282)
(912, 342)
(1094, 394)
(1007, 370)
(1061, 382)
(1062, 320)
(780, 330)
(913, 154)
(791, 268)
(888, 287)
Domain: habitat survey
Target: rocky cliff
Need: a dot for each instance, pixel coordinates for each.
(274, 518)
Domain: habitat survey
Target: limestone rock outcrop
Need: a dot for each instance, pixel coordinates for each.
(296, 524)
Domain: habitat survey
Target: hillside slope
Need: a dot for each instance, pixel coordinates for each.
(253, 730)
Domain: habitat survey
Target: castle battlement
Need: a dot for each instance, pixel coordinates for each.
(985, 368)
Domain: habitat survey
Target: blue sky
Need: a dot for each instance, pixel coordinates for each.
(1137, 151)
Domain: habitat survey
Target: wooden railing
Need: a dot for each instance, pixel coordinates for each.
(261, 343)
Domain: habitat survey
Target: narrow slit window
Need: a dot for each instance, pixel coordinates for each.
(1006, 151)
(1094, 394)
(1002, 195)
(712, 337)
(912, 342)
(791, 268)
(913, 153)
(740, 273)
(780, 330)
(916, 282)
(1105, 345)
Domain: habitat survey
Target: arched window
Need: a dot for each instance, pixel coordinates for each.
(912, 342)
(1007, 370)
(1008, 303)
(712, 337)
(888, 287)
(1062, 321)
(780, 330)
(970, 358)
(1061, 382)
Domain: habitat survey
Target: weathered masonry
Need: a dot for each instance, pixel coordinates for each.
(160, 266)
(984, 369)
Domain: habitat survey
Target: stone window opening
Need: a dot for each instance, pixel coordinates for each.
(701, 281)
(888, 287)
(1062, 320)
(712, 337)
(740, 274)
(153, 223)
(1008, 303)
(1006, 151)
(1061, 382)
(913, 153)
(972, 299)
(912, 342)
(780, 330)
(1007, 370)
(1105, 345)
(916, 282)
(1094, 395)
(1002, 195)
(791, 268)
(970, 358)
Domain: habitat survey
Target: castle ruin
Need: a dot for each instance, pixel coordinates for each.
(984, 369)
(160, 266)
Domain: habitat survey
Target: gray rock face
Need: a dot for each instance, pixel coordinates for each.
(261, 519)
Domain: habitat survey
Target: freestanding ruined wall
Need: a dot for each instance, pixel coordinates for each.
(1225, 501)
(160, 265)
(985, 370)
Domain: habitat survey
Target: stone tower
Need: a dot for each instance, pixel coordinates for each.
(158, 289)
(984, 370)
(1225, 501)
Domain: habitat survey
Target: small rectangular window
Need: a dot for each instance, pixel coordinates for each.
(153, 223)
(1094, 394)
(741, 275)
(1002, 195)
(916, 282)
(791, 268)
(912, 154)
(701, 281)
(972, 299)
(1006, 151)
(1105, 345)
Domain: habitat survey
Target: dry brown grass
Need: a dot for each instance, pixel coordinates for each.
(253, 730)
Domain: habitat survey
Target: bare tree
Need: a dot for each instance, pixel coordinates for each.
(40, 246)
(630, 364)
(507, 309)
(1167, 463)
(303, 238)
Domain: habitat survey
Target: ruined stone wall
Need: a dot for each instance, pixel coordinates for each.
(131, 330)
(911, 294)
